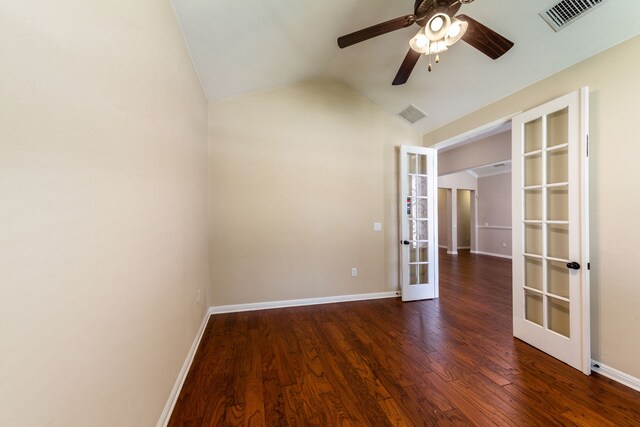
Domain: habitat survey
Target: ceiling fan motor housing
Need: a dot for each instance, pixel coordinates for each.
(426, 9)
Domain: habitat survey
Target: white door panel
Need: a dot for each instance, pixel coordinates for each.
(550, 229)
(418, 213)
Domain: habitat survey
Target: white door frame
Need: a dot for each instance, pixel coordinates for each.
(504, 123)
(586, 220)
(500, 125)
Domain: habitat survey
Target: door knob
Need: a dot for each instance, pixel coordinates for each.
(573, 265)
(405, 242)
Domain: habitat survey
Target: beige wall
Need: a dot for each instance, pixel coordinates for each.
(485, 151)
(298, 175)
(615, 196)
(103, 180)
(494, 210)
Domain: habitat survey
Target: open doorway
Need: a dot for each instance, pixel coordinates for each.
(464, 218)
(549, 199)
(456, 212)
(474, 196)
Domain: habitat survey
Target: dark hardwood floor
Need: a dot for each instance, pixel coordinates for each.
(451, 361)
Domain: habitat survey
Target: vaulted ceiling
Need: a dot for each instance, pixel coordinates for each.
(243, 46)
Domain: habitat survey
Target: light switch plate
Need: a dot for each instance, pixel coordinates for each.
(377, 226)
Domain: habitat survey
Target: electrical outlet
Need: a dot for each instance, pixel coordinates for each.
(504, 244)
(198, 297)
(354, 272)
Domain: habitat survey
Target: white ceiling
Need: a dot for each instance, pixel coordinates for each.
(244, 46)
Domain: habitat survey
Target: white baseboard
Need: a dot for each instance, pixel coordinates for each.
(173, 397)
(299, 302)
(614, 374)
(175, 392)
(443, 246)
(464, 247)
(452, 252)
(491, 254)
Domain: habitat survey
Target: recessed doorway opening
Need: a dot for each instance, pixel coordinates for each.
(474, 196)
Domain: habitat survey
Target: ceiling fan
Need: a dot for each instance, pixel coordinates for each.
(440, 29)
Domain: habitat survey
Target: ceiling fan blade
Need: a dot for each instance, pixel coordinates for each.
(407, 67)
(485, 39)
(376, 30)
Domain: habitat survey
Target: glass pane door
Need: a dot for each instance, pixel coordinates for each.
(417, 171)
(550, 229)
(418, 215)
(546, 222)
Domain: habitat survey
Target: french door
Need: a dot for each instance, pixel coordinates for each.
(418, 213)
(551, 229)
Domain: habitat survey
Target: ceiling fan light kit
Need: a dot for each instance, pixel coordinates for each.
(456, 31)
(438, 26)
(420, 42)
(439, 30)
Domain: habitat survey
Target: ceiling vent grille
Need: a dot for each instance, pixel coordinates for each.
(565, 12)
(412, 114)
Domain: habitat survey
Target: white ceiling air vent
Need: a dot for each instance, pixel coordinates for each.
(566, 11)
(412, 114)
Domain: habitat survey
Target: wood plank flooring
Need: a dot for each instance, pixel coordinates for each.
(451, 361)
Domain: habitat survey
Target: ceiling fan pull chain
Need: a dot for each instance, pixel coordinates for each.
(437, 58)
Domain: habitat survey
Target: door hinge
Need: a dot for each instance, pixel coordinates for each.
(587, 145)
(588, 266)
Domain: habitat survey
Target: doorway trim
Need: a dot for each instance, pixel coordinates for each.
(486, 130)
